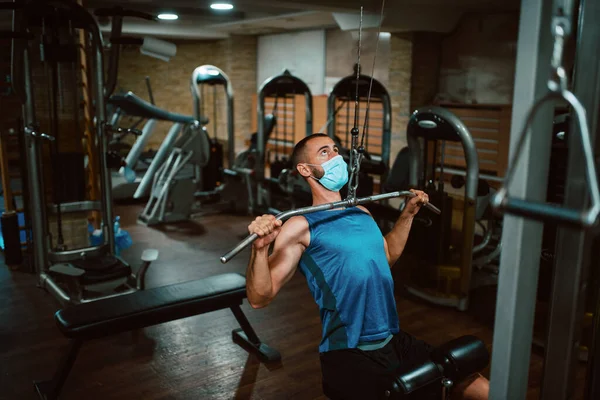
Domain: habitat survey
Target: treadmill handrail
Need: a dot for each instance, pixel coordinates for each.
(138, 107)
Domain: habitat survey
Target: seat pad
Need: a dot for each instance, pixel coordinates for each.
(150, 307)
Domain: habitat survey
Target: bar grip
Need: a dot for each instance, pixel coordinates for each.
(322, 207)
(239, 247)
(545, 212)
(550, 212)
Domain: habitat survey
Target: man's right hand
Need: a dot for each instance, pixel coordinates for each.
(267, 228)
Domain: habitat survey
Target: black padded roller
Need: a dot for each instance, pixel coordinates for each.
(461, 357)
(417, 378)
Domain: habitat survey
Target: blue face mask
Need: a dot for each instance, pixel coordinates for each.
(336, 174)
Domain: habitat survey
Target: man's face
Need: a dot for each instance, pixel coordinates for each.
(318, 151)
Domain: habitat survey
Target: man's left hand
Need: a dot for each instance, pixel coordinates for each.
(414, 204)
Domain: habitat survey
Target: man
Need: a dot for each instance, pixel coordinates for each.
(347, 264)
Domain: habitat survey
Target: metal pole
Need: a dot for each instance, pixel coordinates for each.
(36, 184)
(573, 250)
(230, 125)
(521, 238)
(101, 137)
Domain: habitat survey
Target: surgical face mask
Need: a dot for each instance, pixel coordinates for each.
(336, 173)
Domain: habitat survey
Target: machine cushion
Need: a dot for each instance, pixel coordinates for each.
(269, 124)
(417, 378)
(102, 269)
(461, 357)
(398, 177)
(137, 107)
(151, 307)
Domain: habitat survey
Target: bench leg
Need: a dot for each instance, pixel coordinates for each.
(247, 338)
(49, 390)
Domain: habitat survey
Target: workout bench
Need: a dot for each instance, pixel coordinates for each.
(449, 364)
(152, 307)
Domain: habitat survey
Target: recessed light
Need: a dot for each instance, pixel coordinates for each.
(168, 16)
(221, 6)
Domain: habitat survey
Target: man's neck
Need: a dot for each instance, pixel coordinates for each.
(325, 196)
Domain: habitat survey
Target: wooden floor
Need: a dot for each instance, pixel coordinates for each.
(194, 358)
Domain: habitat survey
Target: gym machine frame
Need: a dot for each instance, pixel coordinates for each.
(543, 29)
(434, 120)
(228, 193)
(343, 91)
(280, 86)
(43, 258)
(211, 75)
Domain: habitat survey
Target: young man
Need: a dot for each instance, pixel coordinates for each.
(347, 264)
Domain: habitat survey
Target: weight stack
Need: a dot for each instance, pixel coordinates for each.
(12, 238)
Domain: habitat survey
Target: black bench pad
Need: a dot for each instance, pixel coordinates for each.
(150, 307)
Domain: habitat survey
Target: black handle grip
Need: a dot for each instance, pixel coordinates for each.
(545, 212)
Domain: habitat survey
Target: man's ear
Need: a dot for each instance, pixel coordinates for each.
(303, 170)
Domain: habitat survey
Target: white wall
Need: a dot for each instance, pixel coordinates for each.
(301, 53)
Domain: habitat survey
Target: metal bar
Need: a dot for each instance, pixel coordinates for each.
(230, 124)
(573, 250)
(323, 207)
(521, 238)
(36, 184)
(245, 324)
(592, 386)
(102, 138)
(50, 390)
(113, 61)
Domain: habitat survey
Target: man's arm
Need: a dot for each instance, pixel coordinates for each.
(266, 274)
(395, 240)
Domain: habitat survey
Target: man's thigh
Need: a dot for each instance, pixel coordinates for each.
(357, 374)
(354, 374)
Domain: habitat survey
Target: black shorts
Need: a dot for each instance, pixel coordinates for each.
(358, 374)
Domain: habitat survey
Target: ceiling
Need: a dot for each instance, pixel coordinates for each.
(258, 17)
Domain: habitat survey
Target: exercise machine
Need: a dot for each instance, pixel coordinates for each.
(274, 188)
(192, 179)
(203, 78)
(116, 114)
(450, 364)
(224, 186)
(378, 125)
(85, 274)
(541, 80)
(123, 186)
(448, 281)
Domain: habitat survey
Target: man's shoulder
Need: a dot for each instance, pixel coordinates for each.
(363, 208)
(297, 222)
(296, 230)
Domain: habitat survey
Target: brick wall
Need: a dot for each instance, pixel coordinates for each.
(426, 57)
(478, 59)
(400, 67)
(240, 63)
(170, 82)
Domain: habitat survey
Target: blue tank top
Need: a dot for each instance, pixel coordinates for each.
(348, 274)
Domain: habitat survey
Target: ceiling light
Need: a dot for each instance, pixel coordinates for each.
(221, 6)
(168, 16)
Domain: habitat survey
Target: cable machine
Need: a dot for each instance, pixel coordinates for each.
(283, 88)
(543, 31)
(378, 127)
(93, 271)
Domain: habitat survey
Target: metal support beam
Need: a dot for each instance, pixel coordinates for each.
(521, 238)
(574, 245)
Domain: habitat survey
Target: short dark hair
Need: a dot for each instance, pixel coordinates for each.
(298, 154)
